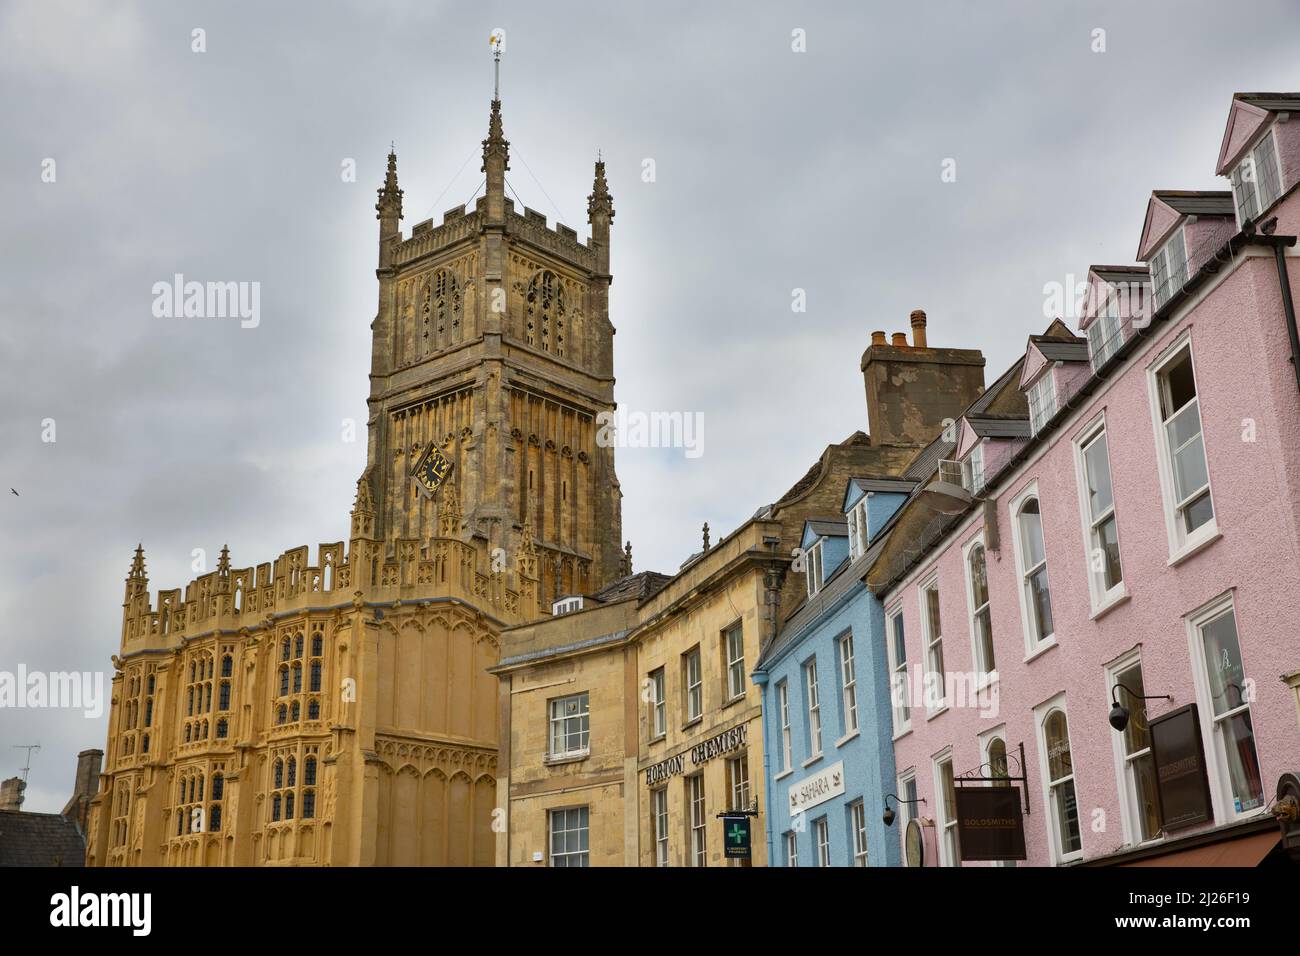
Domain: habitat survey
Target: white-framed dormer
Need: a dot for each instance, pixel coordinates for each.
(813, 561)
(934, 681)
(1223, 698)
(1029, 544)
(1257, 178)
(1102, 551)
(1169, 267)
(856, 516)
(1182, 462)
(979, 610)
(1041, 394)
(972, 468)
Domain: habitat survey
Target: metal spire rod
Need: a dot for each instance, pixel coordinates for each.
(29, 748)
(496, 69)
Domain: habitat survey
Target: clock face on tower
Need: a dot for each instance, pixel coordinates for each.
(431, 470)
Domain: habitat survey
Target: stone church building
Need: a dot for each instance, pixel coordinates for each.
(338, 709)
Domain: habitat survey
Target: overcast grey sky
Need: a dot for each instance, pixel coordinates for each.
(775, 170)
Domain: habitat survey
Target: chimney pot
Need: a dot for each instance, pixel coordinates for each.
(900, 340)
(878, 338)
(918, 328)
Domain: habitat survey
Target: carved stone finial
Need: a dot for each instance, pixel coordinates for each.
(706, 536)
(390, 197)
(600, 203)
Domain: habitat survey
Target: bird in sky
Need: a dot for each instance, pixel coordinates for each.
(15, 494)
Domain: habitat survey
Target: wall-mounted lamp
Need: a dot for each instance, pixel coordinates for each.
(889, 811)
(1119, 713)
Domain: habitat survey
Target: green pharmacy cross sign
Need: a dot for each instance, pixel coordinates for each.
(735, 832)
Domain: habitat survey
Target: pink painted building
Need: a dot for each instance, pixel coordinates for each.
(1118, 517)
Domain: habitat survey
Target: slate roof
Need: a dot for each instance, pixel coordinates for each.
(1197, 202)
(999, 427)
(927, 462)
(886, 485)
(1273, 102)
(835, 527)
(641, 585)
(982, 403)
(1122, 273)
(40, 839)
(1061, 350)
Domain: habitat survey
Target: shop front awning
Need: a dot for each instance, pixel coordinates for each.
(1242, 851)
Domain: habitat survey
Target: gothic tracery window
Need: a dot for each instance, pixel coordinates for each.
(546, 313)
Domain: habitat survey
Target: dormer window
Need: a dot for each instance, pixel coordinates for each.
(566, 605)
(972, 470)
(812, 566)
(1042, 402)
(1256, 183)
(1104, 337)
(857, 518)
(1169, 268)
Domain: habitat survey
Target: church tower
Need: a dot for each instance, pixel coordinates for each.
(493, 341)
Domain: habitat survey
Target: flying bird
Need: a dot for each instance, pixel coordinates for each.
(15, 494)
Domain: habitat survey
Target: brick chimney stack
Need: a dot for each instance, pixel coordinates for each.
(11, 794)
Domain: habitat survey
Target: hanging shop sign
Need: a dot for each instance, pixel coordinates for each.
(816, 789)
(1182, 785)
(914, 843)
(990, 823)
(700, 754)
(735, 836)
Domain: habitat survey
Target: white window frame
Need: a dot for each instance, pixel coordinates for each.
(985, 741)
(560, 724)
(1104, 336)
(739, 784)
(848, 683)
(945, 828)
(658, 704)
(1125, 777)
(858, 831)
(907, 812)
(858, 534)
(659, 813)
(697, 820)
(1247, 170)
(791, 848)
(972, 468)
(1220, 787)
(1042, 399)
(899, 686)
(985, 674)
(813, 560)
(733, 645)
(783, 714)
(1102, 598)
(1174, 268)
(1055, 839)
(822, 841)
(584, 856)
(1034, 643)
(932, 707)
(694, 683)
(1181, 543)
(812, 700)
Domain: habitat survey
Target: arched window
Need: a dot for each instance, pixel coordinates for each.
(223, 728)
(275, 807)
(1060, 783)
(297, 646)
(313, 709)
(445, 306)
(546, 313)
(295, 712)
(317, 645)
(278, 775)
(314, 684)
(223, 699)
(309, 771)
(227, 666)
(297, 677)
(292, 779)
(284, 649)
(281, 714)
(981, 618)
(1033, 563)
(284, 680)
(997, 761)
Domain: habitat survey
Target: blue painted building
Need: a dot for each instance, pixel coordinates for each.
(828, 732)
